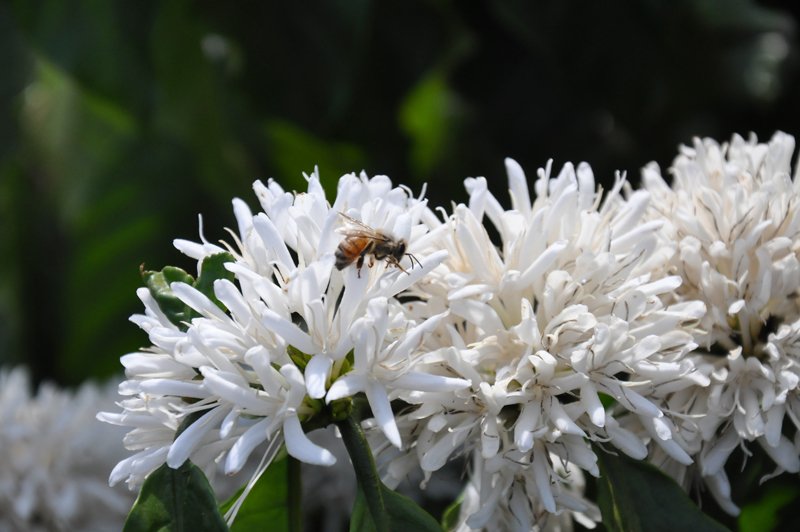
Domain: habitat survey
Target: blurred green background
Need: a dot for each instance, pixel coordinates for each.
(121, 120)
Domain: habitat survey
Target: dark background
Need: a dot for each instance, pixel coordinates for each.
(121, 120)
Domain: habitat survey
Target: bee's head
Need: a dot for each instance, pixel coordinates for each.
(399, 251)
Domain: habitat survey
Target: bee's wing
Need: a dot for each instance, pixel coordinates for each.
(371, 234)
(362, 230)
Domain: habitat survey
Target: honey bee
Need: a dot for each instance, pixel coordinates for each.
(361, 240)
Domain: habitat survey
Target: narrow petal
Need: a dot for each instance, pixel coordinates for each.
(185, 444)
(299, 446)
(234, 389)
(425, 382)
(346, 386)
(241, 450)
(316, 375)
(382, 410)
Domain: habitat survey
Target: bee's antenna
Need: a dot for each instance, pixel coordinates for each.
(412, 258)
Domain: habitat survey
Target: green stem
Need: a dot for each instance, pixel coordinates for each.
(295, 495)
(366, 472)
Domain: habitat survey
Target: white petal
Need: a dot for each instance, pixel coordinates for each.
(382, 410)
(273, 241)
(720, 488)
(316, 375)
(289, 332)
(241, 450)
(784, 454)
(185, 444)
(546, 259)
(425, 382)
(714, 459)
(197, 300)
(526, 423)
(518, 188)
(346, 386)
(234, 389)
(592, 405)
(541, 477)
(299, 446)
(436, 456)
(403, 282)
(627, 442)
(173, 388)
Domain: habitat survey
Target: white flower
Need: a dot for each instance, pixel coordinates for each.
(497, 496)
(562, 311)
(55, 457)
(734, 229)
(292, 334)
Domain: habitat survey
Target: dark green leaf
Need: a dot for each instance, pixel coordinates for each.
(159, 285)
(299, 358)
(266, 506)
(175, 500)
(213, 268)
(450, 515)
(635, 496)
(360, 520)
(404, 514)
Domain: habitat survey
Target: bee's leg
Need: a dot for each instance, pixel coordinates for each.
(359, 264)
(394, 262)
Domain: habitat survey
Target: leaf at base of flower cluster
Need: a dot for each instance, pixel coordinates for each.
(635, 496)
(451, 513)
(403, 514)
(212, 269)
(175, 499)
(267, 503)
(158, 283)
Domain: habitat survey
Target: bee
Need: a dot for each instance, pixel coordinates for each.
(361, 240)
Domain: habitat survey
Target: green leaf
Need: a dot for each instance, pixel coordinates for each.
(635, 496)
(450, 515)
(175, 500)
(377, 508)
(403, 513)
(158, 283)
(213, 268)
(299, 358)
(266, 506)
(360, 520)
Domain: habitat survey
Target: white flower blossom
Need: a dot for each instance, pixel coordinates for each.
(55, 458)
(292, 334)
(562, 312)
(498, 497)
(734, 231)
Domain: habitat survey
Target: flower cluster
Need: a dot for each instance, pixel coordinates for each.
(733, 228)
(660, 323)
(53, 475)
(562, 310)
(296, 333)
